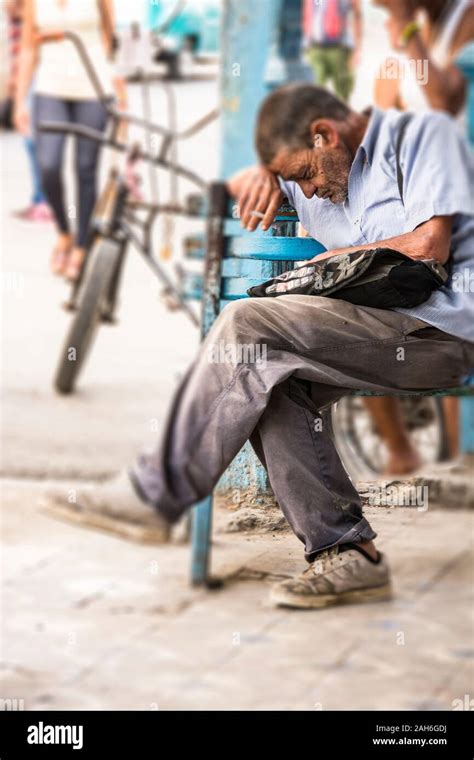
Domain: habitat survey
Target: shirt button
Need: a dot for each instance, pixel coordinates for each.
(357, 221)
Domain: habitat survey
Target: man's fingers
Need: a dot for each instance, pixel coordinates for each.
(244, 201)
(272, 208)
(258, 192)
(258, 210)
(257, 199)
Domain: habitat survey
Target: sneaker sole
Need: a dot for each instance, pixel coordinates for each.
(375, 594)
(107, 524)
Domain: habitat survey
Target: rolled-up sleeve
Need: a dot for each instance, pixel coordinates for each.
(438, 170)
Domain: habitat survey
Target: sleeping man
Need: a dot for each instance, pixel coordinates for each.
(338, 169)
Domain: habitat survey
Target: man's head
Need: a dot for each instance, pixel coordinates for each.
(306, 134)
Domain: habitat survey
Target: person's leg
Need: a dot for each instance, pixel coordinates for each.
(50, 153)
(293, 440)
(38, 195)
(38, 198)
(325, 341)
(317, 60)
(37, 209)
(220, 403)
(452, 426)
(91, 113)
(341, 74)
(388, 417)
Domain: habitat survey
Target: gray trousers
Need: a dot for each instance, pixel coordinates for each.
(264, 373)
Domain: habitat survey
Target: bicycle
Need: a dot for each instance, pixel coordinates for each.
(114, 225)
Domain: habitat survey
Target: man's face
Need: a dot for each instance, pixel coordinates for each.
(322, 170)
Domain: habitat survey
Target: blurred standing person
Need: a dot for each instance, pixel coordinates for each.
(64, 93)
(38, 210)
(425, 77)
(332, 30)
(431, 79)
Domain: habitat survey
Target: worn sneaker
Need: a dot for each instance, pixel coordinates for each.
(113, 507)
(339, 575)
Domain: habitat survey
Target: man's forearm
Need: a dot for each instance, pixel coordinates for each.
(399, 243)
(429, 241)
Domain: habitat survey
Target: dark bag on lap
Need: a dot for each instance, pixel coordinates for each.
(380, 277)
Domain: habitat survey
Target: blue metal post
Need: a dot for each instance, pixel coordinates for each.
(465, 62)
(256, 36)
(249, 30)
(467, 425)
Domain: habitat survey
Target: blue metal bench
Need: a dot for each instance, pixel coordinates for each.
(234, 261)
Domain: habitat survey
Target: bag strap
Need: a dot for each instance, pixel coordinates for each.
(403, 124)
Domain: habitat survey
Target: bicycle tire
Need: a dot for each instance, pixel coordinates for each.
(354, 450)
(103, 262)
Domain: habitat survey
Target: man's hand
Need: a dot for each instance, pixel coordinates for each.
(256, 190)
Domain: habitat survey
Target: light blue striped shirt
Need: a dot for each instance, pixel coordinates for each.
(438, 171)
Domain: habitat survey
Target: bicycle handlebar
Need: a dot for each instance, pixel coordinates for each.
(80, 130)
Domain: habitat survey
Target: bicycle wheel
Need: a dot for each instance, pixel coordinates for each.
(104, 260)
(364, 453)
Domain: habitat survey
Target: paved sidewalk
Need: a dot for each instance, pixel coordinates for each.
(94, 622)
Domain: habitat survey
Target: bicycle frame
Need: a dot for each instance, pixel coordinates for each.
(114, 214)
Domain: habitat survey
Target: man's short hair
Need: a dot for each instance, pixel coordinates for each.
(286, 114)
